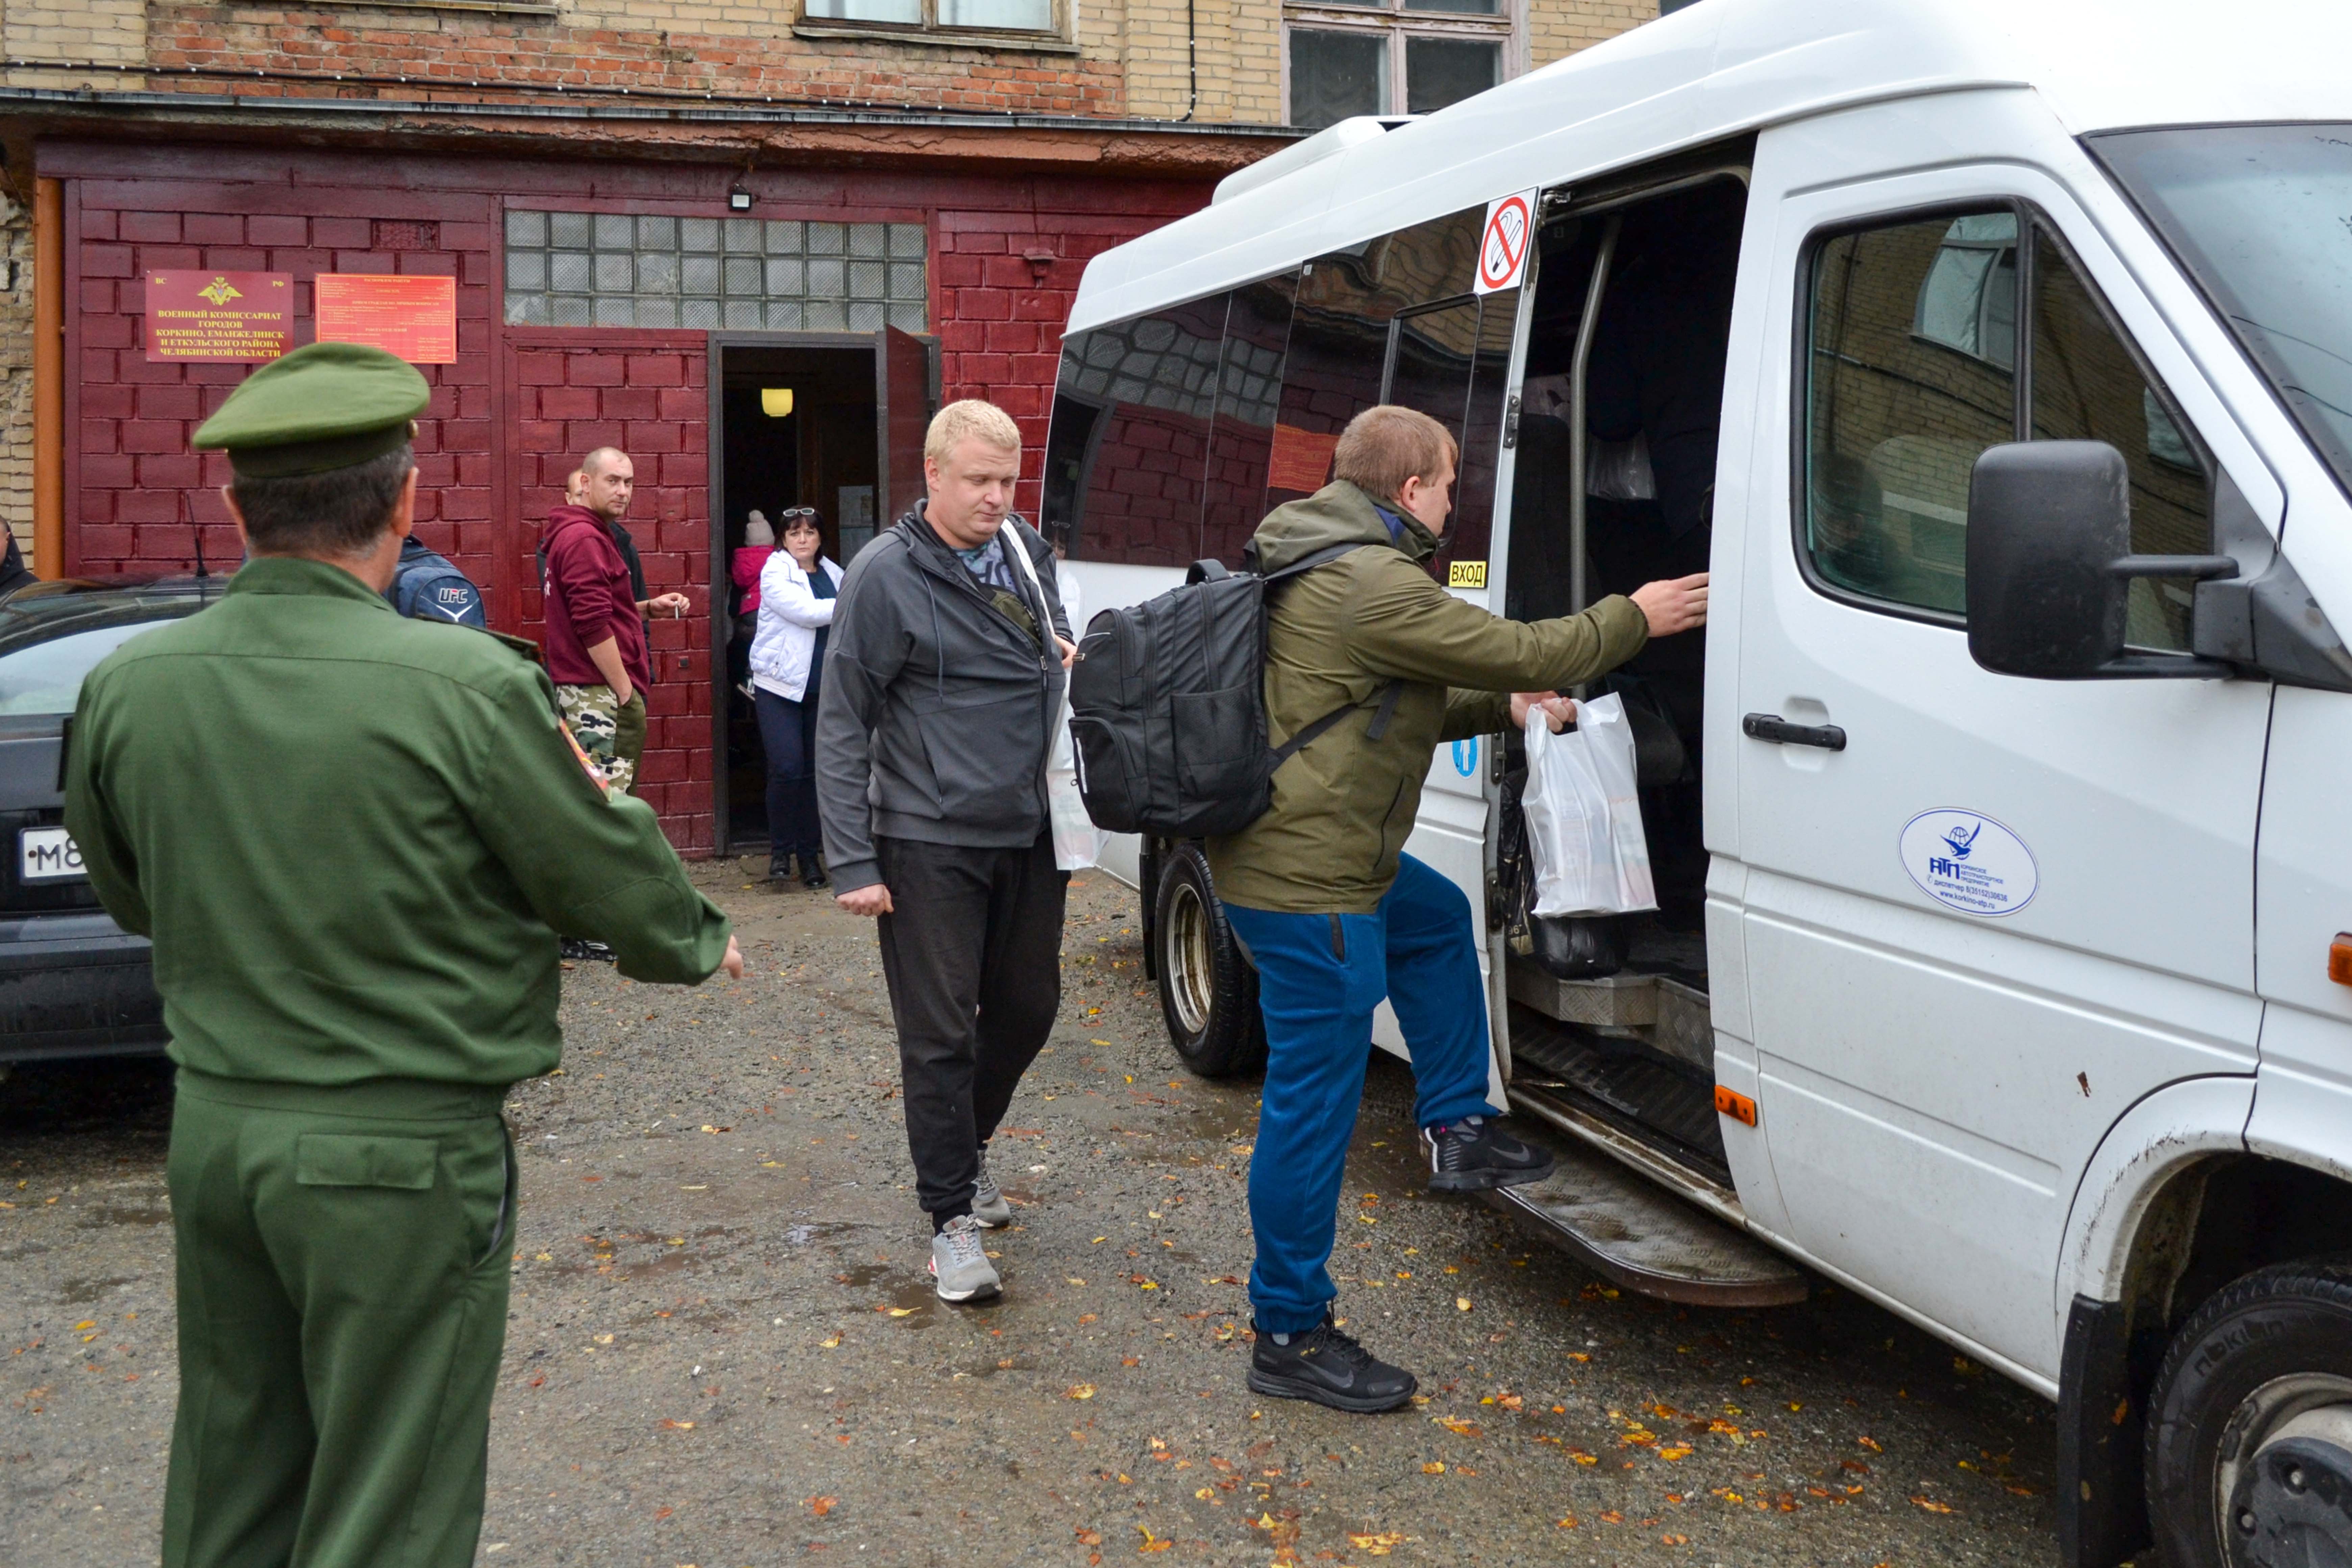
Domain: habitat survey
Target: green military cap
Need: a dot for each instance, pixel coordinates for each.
(324, 406)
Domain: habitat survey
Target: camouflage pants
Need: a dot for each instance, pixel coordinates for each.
(612, 735)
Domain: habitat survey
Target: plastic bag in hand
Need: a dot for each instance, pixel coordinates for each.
(1584, 820)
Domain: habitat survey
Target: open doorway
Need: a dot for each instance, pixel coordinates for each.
(831, 421)
(1621, 409)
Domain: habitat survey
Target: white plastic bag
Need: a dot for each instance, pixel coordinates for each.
(1584, 820)
(1077, 842)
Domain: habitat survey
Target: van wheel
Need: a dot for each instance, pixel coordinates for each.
(1207, 989)
(2249, 1435)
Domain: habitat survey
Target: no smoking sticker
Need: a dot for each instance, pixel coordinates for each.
(1504, 243)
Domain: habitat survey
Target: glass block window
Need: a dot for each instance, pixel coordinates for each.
(619, 269)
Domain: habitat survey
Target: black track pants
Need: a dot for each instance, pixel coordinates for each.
(973, 952)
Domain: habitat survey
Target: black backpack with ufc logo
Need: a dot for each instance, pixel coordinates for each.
(1168, 706)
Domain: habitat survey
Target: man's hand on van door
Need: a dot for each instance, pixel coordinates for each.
(1674, 604)
(869, 902)
(1560, 711)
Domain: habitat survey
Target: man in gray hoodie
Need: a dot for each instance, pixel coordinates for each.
(942, 677)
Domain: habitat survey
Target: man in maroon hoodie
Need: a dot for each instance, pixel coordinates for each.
(595, 630)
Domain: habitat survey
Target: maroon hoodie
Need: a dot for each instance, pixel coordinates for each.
(589, 599)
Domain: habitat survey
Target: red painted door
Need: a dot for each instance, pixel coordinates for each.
(646, 392)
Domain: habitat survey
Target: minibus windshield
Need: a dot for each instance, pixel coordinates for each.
(2262, 216)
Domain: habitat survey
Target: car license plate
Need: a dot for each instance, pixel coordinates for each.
(48, 854)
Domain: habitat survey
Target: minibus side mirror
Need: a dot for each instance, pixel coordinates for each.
(2050, 565)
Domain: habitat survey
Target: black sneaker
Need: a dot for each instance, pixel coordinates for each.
(581, 951)
(1474, 1154)
(1330, 1368)
(812, 871)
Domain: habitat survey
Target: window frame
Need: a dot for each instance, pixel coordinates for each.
(931, 30)
(1395, 22)
(2031, 219)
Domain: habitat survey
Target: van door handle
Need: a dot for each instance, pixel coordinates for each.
(1772, 727)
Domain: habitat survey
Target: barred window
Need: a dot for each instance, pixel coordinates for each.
(622, 270)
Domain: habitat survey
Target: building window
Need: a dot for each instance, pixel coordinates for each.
(1393, 57)
(946, 15)
(619, 269)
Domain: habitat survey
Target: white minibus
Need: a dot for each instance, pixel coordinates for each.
(1996, 357)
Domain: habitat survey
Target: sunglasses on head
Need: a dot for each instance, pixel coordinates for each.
(790, 512)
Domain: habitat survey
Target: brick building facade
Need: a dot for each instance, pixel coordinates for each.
(625, 193)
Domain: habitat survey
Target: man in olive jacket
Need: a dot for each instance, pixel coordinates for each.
(1335, 915)
(353, 838)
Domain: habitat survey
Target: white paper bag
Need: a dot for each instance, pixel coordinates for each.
(1584, 820)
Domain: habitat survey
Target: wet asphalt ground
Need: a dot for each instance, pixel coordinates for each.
(724, 1351)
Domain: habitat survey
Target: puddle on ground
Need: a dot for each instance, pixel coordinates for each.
(817, 1230)
(677, 1261)
(76, 1291)
(862, 1275)
(121, 1213)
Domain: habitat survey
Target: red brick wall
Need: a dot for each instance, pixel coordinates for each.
(455, 53)
(512, 416)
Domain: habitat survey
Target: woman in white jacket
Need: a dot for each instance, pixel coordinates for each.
(796, 599)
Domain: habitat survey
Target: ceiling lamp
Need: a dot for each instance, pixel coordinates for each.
(776, 402)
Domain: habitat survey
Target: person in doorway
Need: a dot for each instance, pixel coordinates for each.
(946, 669)
(797, 589)
(1334, 915)
(596, 648)
(743, 569)
(351, 839)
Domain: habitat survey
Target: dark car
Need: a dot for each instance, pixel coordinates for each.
(72, 983)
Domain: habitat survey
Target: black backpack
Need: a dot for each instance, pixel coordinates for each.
(1168, 706)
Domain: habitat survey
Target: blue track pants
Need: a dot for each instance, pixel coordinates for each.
(1319, 978)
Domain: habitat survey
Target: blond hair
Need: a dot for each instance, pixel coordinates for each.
(1388, 444)
(970, 417)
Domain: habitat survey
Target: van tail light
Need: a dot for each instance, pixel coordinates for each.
(1740, 1108)
(2339, 958)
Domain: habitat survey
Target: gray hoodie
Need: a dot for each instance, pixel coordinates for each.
(937, 709)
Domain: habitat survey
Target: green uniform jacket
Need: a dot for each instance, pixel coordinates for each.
(1344, 805)
(353, 837)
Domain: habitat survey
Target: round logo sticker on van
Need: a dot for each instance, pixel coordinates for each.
(1967, 861)
(1465, 756)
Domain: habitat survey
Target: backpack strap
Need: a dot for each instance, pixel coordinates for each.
(1378, 728)
(1305, 564)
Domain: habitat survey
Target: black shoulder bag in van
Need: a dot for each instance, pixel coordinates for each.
(1168, 706)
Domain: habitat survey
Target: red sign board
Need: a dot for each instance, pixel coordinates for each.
(414, 317)
(1301, 459)
(241, 316)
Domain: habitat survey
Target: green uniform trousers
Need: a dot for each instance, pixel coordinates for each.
(344, 1260)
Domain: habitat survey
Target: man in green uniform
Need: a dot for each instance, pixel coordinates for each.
(353, 838)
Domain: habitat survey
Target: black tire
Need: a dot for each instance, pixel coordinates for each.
(1208, 991)
(2271, 1345)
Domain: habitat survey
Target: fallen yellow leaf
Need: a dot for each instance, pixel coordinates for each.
(831, 1344)
(1377, 1545)
(1082, 1391)
(1932, 1506)
(1461, 1303)
(821, 1506)
(666, 1425)
(904, 1311)
(1434, 1468)
(1458, 1427)
(1568, 1523)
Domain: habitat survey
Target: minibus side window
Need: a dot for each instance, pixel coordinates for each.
(1915, 367)
(1249, 386)
(1338, 357)
(1467, 536)
(1150, 386)
(2089, 386)
(1909, 381)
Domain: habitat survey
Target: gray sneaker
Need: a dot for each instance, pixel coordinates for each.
(960, 1264)
(988, 1205)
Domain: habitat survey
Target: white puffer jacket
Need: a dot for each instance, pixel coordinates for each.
(790, 613)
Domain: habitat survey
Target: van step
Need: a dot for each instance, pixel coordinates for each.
(1642, 1236)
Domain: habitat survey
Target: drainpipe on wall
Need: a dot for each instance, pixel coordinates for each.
(49, 379)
